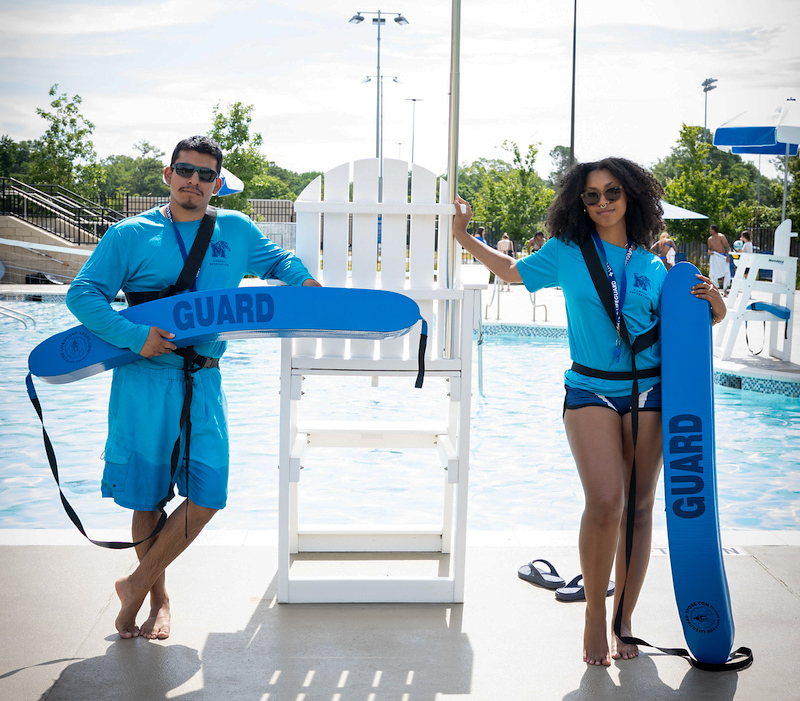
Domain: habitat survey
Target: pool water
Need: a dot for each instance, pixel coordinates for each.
(521, 474)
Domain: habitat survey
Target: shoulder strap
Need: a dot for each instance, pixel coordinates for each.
(599, 277)
(603, 287)
(190, 268)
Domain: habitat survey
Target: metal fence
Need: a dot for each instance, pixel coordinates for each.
(57, 210)
(273, 210)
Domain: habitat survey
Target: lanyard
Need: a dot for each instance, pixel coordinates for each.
(618, 290)
(181, 245)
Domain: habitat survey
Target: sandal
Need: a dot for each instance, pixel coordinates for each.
(533, 574)
(574, 591)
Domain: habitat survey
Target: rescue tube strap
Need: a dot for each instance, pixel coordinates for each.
(51, 458)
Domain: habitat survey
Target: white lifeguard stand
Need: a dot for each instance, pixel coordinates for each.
(400, 254)
(777, 312)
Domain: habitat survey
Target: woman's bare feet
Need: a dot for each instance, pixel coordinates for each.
(595, 643)
(157, 626)
(131, 600)
(623, 651)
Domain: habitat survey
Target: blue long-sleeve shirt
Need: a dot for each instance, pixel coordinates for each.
(143, 254)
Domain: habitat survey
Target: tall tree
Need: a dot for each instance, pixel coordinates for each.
(698, 187)
(64, 155)
(515, 197)
(231, 130)
(560, 158)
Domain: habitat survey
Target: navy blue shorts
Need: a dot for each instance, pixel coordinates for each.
(649, 400)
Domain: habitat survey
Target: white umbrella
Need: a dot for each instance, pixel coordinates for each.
(230, 184)
(672, 211)
(775, 133)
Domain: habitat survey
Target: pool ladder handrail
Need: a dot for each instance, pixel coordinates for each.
(14, 314)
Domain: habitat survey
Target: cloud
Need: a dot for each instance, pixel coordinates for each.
(80, 19)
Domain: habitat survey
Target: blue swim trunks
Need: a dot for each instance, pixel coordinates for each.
(143, 424)
(649, 400)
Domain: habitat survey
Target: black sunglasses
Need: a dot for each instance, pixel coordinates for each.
(187, 170)
(612, 195)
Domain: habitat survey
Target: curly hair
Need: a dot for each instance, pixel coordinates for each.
(568, 220)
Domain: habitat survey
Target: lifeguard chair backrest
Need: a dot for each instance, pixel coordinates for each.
(384, 254)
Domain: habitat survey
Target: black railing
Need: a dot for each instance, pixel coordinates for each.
(131, 205)
(273, 210)
(58, 210)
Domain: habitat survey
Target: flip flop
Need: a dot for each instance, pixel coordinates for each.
(574, 591)
(535, 575)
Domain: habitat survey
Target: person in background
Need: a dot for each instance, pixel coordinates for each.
(534, 243)
(505, 245)
(719, 258)
(665, 249)
(747, 243)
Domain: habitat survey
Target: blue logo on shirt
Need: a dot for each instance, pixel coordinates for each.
(219, 248)
(641, 282)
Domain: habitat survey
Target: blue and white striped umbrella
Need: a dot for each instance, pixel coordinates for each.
(777, 133)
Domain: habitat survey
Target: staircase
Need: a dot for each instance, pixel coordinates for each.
(57, 210)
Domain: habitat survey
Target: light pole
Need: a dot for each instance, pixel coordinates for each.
(572, 115)
(413, 101)
(378, 20)
(708, 86)
(379, 149)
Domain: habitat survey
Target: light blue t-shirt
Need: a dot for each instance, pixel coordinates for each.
(142, 254)
(592, 336)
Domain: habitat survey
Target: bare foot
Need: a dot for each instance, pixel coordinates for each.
(595, 644)
(623, 651)
(157, 626)
(131, 602)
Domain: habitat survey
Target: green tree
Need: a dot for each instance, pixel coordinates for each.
(471, 178)
(515, 197)
(560, 157)
(270, 187)
(231, 130)
(698, 187)
(793, 190)
(65, 155)
(149, 170)
(731, 166)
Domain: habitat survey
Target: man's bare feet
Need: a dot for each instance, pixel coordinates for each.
(595, 643)
(131, 601)
(623, 651)
(157, 626)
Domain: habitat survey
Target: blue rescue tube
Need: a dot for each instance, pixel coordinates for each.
(239, 312)
(690, 482)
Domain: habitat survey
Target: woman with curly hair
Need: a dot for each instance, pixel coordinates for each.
(603, 221)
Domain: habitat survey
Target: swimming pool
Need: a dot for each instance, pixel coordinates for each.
(521, 473)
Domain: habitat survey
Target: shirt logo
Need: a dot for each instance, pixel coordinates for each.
(641, 282)
(219, 249)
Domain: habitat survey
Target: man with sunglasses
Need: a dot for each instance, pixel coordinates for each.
(142, 256)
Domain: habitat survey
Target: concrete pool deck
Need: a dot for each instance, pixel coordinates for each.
(509, 640)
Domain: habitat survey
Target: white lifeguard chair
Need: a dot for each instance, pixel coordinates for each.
(392, 255)
(777, 312)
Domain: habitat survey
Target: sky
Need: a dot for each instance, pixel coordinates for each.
(154, 70)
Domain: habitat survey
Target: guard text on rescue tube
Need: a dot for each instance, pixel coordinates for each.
(686, 482)
(219, 310)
